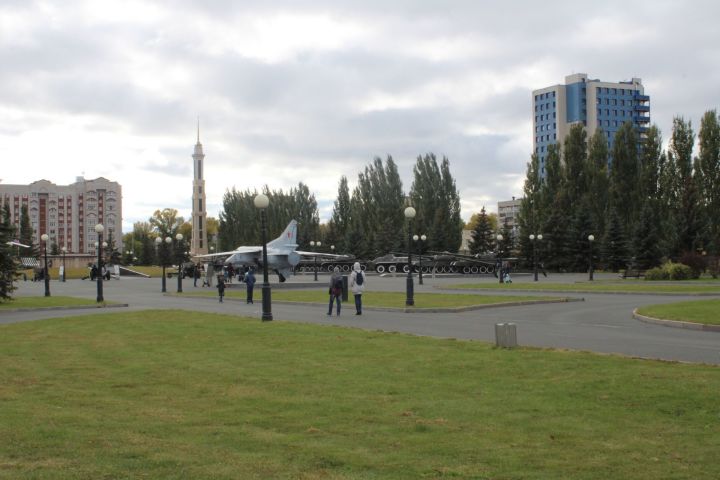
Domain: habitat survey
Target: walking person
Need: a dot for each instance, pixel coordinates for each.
(336, 289)
(221, 287)
(250, 284)
(196, 274)
(357, 285)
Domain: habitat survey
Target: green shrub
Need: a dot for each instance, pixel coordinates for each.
(678, 271)
(657, 273)
(670, 271)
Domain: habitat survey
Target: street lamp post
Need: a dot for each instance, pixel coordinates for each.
(421, 239)
(499, 239)
(314, 244)
(591, 239)
(64, 251)
(261, 202)
(179, 238)
(44, 237)
(158, 241)
(409, 287)
(533, 239)
(99, 228)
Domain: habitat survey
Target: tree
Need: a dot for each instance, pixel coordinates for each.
(686, 207)
(378, 204)
(339, 224)
(434, 196)
(530, 215)
(166, 222)
(708, 171)
(597, 180)
(240, 220)
(646, 245)
(8, 263)
(625, 175)
(482, 235)
(26, 233)
(614, 248)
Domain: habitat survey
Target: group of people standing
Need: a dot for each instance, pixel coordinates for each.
(224, 276)
(356, 283)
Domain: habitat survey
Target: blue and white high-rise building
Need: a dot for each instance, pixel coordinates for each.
(590, 102)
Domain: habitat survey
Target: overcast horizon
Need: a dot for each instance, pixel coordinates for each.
(309, 91)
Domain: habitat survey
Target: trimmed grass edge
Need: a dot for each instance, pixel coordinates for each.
(675, 323)
(467, 308)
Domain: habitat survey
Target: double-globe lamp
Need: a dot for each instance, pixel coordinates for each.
(99, 228)
(179, 238)
(533, 239)
(46, 274)
(261, 203)
(409, 286)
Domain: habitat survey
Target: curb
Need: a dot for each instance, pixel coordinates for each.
(420, 310)
(689, 294)
(66, 307)
(676, 323)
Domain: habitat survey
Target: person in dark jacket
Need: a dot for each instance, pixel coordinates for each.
(221, 287)
(250, 284)
(196, 274)
(336, 289)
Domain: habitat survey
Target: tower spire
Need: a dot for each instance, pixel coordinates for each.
(198, 129)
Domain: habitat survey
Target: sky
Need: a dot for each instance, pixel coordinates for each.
(310, 91)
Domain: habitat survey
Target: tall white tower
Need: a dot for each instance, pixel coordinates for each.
(199, 245)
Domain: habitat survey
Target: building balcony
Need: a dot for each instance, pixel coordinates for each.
(641, 98)
(641, 108)
(641, 119)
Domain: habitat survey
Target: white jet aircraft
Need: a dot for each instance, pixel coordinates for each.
(281, 254)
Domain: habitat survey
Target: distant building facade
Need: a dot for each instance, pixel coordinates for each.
(589, 102)
(68, 213)
(508, 211)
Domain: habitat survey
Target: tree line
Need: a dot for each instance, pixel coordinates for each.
(367, 222)
(642, 205)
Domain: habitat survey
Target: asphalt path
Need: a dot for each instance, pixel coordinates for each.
(601, 323)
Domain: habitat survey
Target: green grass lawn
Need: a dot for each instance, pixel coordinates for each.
(38, 302)
(382, 299)
(176, 394)
(590, 287)
(700, 311)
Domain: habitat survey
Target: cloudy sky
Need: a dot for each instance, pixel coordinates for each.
(290, 91)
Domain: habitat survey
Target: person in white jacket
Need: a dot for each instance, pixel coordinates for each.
(357, 285)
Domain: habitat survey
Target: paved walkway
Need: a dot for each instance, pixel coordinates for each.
(602, 323)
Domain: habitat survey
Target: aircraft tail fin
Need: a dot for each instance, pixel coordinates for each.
(288, 238)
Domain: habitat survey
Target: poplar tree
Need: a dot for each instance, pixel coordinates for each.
(339, 224)
(598, 183)
(435, 198)
(708, 163)
(686, 197)
(625, 175)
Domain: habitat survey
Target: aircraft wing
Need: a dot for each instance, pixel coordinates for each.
(319, 254)
(17, 244)
(231, 252)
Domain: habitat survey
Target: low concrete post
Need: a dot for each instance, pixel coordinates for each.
(345, 288)
(506, 335)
